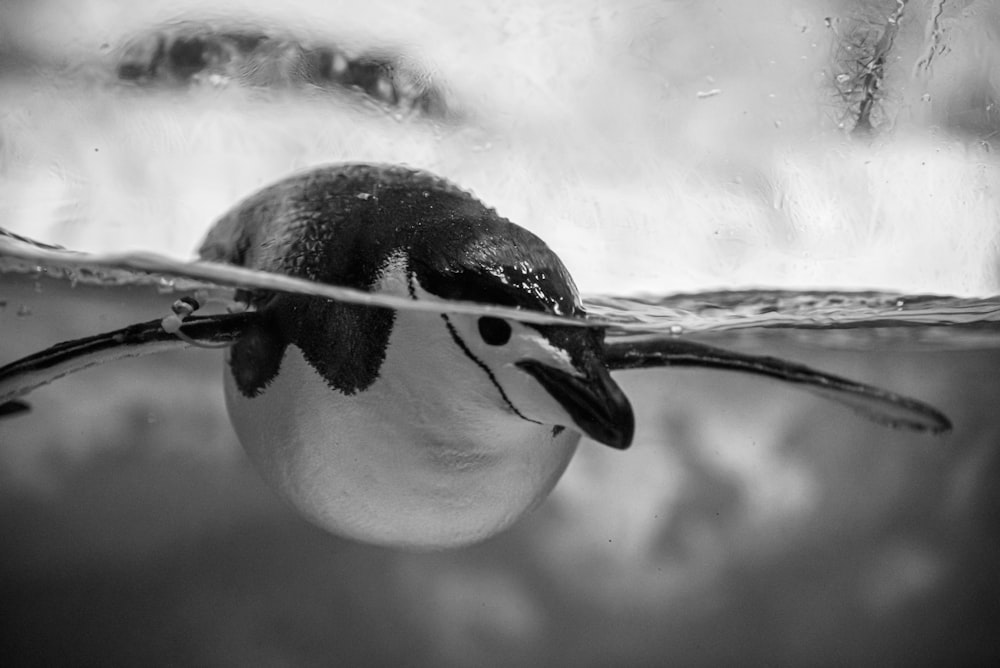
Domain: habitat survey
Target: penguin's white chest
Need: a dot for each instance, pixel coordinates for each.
(426, 456)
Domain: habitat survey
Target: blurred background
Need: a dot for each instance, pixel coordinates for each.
(658, 147)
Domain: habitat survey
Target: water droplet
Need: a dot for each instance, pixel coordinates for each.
(23, 311)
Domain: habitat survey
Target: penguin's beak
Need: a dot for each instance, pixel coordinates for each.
(595, 402)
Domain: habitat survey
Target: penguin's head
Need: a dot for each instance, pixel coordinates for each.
(411, 427)
(549, 374)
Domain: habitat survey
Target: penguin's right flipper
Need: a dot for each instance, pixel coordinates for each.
(29, 373)
(881, 406)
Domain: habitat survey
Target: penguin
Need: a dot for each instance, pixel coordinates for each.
(405, 427)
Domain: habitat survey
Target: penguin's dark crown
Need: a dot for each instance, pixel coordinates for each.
(343, 224)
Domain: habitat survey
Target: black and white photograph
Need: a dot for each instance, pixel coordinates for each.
(460, 333)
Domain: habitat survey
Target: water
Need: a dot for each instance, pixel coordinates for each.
(737, 495)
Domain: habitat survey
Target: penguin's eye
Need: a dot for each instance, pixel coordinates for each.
(495, 332)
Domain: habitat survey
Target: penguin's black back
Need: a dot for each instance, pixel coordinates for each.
(343, 225)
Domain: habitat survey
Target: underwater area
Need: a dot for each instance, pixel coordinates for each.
(813, 181)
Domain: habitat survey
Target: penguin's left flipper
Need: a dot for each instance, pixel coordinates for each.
(29, 373)
(881, 406)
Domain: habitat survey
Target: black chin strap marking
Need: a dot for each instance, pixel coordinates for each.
(482, 365)
(468, 353)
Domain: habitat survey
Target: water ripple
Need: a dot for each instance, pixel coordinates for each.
(937, 320)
